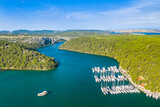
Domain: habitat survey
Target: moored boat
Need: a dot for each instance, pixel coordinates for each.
(42, 93)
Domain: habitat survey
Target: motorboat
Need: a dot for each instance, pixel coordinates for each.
(42, 93)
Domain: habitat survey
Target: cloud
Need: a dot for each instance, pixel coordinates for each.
(137, 15)
(49, 12)
(68, 16)
(81, 15)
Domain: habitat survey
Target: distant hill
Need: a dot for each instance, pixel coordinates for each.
(71, 33)
(98, 31)
(76, 33)
(82, 33)
(5, 32)
(41, 32)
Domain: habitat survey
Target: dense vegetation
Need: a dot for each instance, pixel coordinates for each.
(15, 56)
(82, 33)
(140, 55)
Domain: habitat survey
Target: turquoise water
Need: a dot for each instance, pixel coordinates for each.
(147, 33)
(70, 85)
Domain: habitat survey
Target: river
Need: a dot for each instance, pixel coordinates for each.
(72, 84)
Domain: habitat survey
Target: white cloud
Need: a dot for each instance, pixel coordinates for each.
(138, 14)
(81, 15)
(68, 16)
(133, 16)
(51, 12)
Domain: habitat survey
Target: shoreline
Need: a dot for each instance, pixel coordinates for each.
(125, 74)
(27, 69)
(86, 53)
(147, 92)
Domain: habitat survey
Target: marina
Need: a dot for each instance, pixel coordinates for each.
(116, 80)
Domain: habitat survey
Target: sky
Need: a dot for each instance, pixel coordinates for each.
(79, 14)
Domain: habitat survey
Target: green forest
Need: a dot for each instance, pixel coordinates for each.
(140, 55)
(21, 57)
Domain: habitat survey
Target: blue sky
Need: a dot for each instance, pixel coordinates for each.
(79, 14)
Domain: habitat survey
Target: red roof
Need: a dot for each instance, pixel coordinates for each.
(142, 85)
(139, 79)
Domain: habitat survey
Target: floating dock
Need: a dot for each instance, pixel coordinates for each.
(113, 82)
(117, 81)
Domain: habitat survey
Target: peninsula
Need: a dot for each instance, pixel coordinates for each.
(18, 57)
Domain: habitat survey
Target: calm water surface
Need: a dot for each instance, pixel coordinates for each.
(70, 85)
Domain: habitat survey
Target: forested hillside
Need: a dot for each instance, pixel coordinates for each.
(15, 56)
(140, 55)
